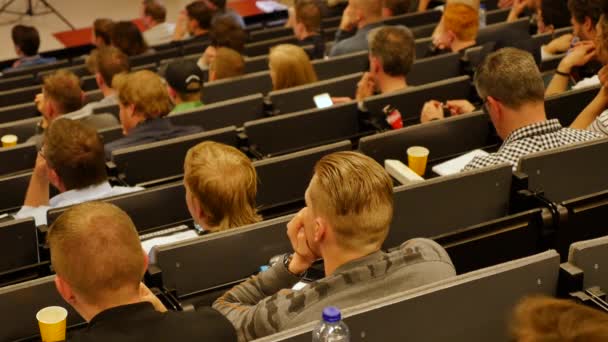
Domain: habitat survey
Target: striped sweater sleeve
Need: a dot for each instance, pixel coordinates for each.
(600, 124)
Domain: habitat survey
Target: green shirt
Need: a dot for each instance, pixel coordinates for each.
(182, 107)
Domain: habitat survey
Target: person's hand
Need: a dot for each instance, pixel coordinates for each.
(458, 107)
(580, 55)
(603, 76)
(559, 45)
(39, 101)
(505, 3)
(41, 168)
(340, 100)
(147, 296)
(349, 19)
(432, 110)
(518, 6)
(365, 87)
(209, 55)
(303, 256)
(181, 25)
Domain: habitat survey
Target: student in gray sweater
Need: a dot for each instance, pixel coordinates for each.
(358, 19)
(346, 220)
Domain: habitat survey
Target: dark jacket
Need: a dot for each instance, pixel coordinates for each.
(140, 322)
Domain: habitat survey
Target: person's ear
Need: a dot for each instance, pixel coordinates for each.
(99, 80)
(375, 65)
(146, 260)
(320, 229)
(172, 93)
(212, 75)
(65, 290)
(386, 12)
(55, 180)
(495, 109)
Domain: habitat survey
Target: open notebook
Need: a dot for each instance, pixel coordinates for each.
(456, 165)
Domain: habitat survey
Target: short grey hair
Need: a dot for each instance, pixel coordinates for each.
(511, 76)
(395, 47)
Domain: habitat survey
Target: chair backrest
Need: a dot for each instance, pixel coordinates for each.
(18, 112)
(590, 256)
(33, 70)
(434, 69)
(153, 57)
(16, 82)
(415, 19)
(151, 209)
(341, 65)
(263, 47)
(567, 106)
(567, 172)
(300, 98)
(141, 163)
(423, 31)
(19, 244)
(270, 33)
(494, 32)
(411, 100)
(111, 134)
(256, 64)
(19, 158)
(443, 205)
(19, 95)
(444, 138)
(422, 45)
(21, 302)
(291, 132)
(23, 129)
(462, 304)
(283, 180)
(233, 112)
(13, 191)
(184, 264)
(258, 82)
(497, 16)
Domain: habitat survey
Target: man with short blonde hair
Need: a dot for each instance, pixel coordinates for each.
(99, 261)
(221, 187)
(144, 103)
(346, 220)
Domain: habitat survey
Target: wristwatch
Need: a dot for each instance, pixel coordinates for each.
(287, 257)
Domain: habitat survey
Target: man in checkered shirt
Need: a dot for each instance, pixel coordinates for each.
(512, 89)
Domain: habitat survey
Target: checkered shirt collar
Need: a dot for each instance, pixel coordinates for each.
(539, 128)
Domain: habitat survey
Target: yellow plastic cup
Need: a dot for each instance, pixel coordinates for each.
(9, 140)
(417, 157)
(52, 323)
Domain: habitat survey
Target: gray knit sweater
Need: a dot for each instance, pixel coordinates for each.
(265, 304)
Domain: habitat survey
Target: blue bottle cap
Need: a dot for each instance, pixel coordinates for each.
(264, 268)
(331, 314)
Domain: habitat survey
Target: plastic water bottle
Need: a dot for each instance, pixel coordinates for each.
(331, 329)
(482, 15)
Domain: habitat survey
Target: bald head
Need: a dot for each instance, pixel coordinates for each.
(95, 248)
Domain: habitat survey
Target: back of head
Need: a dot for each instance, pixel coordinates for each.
(145, 90)
(156, 11)
(110, 61)
(201, 13)
(76, 153)
(224, 182)
(510, 76)
(96, 250)
(219, 4)
(127, 37)
(601, 38)
(395, 48)
(103, 29)
(290, 67)
(227, 63)
(63, 87)
(556, 320)
(225, 32)
(372, 9)
(185, 77)
(397, 7)
(355, 194)
(581, 9)
(462, 20)
(26, 38)
(308, 14)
